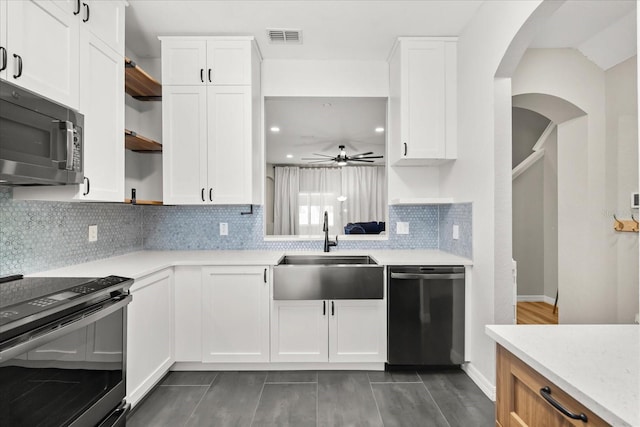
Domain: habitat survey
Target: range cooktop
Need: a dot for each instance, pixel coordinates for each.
(26, 299)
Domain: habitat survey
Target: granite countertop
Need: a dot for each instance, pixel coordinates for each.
(598, 365)
(142, 263)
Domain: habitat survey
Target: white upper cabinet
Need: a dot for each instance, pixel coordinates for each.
(422, 72)
(222, 61)
(210, 131)
(41, 47)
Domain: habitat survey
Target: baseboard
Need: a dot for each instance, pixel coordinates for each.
(536, 298)
(277, 366)
(481, 381)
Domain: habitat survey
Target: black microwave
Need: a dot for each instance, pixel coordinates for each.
(40, 140)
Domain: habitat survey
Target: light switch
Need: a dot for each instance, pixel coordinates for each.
(224, 229)
(402, 228)
(93, 233)
(456, 232)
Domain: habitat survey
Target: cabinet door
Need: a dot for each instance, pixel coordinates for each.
(45, 39)
(423, 100)
(184, 62)
(188, 313)
(105, 19)
(235, 314)
(184, 136)
(229, 143)
(149, 333)
(102, 103)
(357, 331)
(299, 331)
(228, 62)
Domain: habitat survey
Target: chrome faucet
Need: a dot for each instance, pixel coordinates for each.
(325, 227)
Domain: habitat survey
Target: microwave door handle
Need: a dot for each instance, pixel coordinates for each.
(70, 145)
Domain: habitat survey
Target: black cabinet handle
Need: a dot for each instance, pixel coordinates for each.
(202, 194)
(87, 187)
(18, 59)
(209, 75)
(86, 17)
(265, 275)
(4, 58)
(545, 392)
(333, 308)
(324, 308)
(405, 148)
(202, 75)
(77, 11)
(211, 194)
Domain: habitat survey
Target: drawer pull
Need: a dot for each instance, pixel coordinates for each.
(546, 393)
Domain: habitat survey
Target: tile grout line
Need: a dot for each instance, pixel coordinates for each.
(253, 418)
(200, 401)
(290, 382)
(375, 400)
(436, 403)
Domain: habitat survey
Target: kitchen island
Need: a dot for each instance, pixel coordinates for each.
(597, 365)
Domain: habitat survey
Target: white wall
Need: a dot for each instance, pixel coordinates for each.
(586, 255)
(550, 191)
(622, 142)
(484, 123)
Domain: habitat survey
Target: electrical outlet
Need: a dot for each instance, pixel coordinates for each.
(224, 229)
(402, 228)
(456, 232)
(93, 233)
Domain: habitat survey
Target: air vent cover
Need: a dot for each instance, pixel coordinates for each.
(283, 36)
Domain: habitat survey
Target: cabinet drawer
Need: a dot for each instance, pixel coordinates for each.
(520, 400)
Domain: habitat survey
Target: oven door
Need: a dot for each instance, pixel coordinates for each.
(70, 373)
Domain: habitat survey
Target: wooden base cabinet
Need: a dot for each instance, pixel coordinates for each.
(520, 401)
(329, 331)
(149, 333)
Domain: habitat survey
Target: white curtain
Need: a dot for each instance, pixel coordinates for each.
(285, 205)
(319, 192)
(365, 190)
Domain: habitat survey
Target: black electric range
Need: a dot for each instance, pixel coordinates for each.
(27, 302)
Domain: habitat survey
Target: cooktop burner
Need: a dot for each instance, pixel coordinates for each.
(22, 298)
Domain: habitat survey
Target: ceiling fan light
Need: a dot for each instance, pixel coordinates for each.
(379, 129)
(342, 163)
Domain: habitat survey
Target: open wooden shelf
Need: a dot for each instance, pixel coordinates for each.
(145, 202)
(139, 84)
(139, 143)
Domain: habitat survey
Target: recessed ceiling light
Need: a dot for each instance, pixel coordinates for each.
(275, 129)
(379, 129)
(327, 105)
(289, 156)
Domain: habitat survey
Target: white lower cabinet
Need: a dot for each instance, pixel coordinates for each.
(188, 313)
(235, 314)
(149, 333)
(329, 330)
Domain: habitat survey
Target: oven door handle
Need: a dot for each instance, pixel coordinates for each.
(409, 276)
(63, 326)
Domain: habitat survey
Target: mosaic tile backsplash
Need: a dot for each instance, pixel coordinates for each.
(37, 236)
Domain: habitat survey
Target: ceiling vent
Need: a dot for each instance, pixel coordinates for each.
(282, 36)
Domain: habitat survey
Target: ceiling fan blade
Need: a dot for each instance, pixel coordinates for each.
(368, 157)
(360, 160)
(362, 154)
(322, 155)
(320, 161)
(315, 158)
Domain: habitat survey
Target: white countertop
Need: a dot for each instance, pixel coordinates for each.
(142, 263)
(598, 365)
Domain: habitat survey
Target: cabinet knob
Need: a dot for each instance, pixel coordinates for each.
(86, 16)
(77, 11)
(405, 148)
(209, 75)
(211, 194)
(265, 275)
(202, 194)
(18, 59)
(87, 186)
(333, 308)
(545, 392)
(324, 308)
(202, 75)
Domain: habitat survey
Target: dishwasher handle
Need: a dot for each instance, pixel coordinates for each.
(427, 276)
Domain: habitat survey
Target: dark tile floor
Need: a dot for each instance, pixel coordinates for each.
(309, 398)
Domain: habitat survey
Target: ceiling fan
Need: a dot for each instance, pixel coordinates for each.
(342, 159)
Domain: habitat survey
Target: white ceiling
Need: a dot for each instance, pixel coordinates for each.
(320, 125)
(331, 29)
(603, 30)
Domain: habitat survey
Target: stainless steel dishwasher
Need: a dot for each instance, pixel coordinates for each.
(426, 315)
